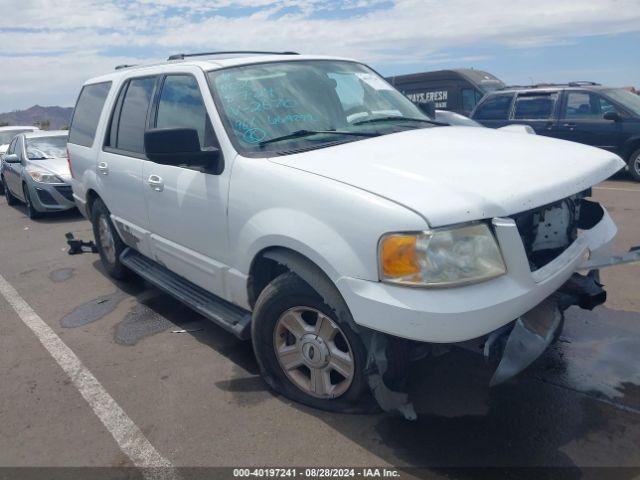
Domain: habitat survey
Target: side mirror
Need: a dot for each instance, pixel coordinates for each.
(614, 116)
(181, 147)
(11, 158)
(428, 108)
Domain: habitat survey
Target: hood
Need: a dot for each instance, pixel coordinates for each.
(458, 174)
(57, 166)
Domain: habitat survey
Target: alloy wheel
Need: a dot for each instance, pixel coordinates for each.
(313, 352)
(105, 237)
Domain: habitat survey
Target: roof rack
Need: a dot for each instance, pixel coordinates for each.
(182, 56)
(579, 83)
(124, 65)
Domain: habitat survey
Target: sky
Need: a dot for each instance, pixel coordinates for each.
(50, 48)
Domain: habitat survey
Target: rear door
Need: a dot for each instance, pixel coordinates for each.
(538, 110)
(494, 110)
(187, 207)
(581, 120)
(120, 166)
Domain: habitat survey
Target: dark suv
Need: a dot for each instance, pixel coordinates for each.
(583, 112)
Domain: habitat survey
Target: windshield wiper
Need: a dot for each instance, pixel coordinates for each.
(401, 119)
(308, 133)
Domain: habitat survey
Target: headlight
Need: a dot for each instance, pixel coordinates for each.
(44, 177)
(442, 257)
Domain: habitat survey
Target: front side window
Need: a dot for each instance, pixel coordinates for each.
(43, 148)
(535, 107)
(494, 108)
(133, 115)
(87, 113)
(586, 106)
(263, 102)
(470, 98)
(181, 105)
(12, 146)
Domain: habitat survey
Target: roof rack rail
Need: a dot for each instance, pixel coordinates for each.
(580, 83)
(124, 65)
(182, 56)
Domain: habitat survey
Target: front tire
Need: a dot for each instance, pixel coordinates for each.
(31, 211)
(306, 352)
(108, 242)
(634, 165)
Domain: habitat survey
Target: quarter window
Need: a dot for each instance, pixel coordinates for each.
(87, 113)
(494, 108)
(181, 105)
(133, 115)
(535, 107)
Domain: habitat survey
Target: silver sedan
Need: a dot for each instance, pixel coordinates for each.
(36, 172)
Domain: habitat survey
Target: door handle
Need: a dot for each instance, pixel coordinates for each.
(103, 168)
(156, 183)
(569, 125)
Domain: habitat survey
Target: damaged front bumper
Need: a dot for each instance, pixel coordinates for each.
(483, 315)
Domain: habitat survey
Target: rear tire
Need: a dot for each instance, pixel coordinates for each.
(31, 211)
(1, 186)
(634, 165)
(326, 364)
(11, 200)
(108, 242)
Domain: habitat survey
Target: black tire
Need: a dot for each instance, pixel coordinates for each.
(1, 186)
(31, 211)
(111, 263)
(11, 200)
(286, 292)
(634, 165)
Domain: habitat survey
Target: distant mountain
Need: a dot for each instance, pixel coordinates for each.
(58, 117)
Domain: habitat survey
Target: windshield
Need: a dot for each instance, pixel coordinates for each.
(7, 135)
(627, 99)
(336, 99)
(42, 148)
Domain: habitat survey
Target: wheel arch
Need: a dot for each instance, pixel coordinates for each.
(273, 261)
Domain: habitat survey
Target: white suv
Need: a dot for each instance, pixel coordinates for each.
(305, 203)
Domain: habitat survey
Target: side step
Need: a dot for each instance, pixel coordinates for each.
(233, 319)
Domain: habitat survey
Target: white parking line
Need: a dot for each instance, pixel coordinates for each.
(127, 435)
(620, 189)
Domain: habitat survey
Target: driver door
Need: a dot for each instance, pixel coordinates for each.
(187, 207)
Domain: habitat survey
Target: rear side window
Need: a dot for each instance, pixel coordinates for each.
(494, 108)
(535, 107)
(87, 113)
(133, 115)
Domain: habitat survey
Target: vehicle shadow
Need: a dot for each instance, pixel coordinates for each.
(72, 215)
(464, 430)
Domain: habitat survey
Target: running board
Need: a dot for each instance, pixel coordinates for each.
(228, 316)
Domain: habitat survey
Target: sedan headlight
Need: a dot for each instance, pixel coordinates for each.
(441, 257)
(44, 177)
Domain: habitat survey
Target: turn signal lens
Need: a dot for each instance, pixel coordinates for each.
(398, 256)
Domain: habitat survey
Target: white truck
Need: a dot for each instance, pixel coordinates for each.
(303, 202)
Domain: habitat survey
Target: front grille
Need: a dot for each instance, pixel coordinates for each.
(66, 192)
(548, 231)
